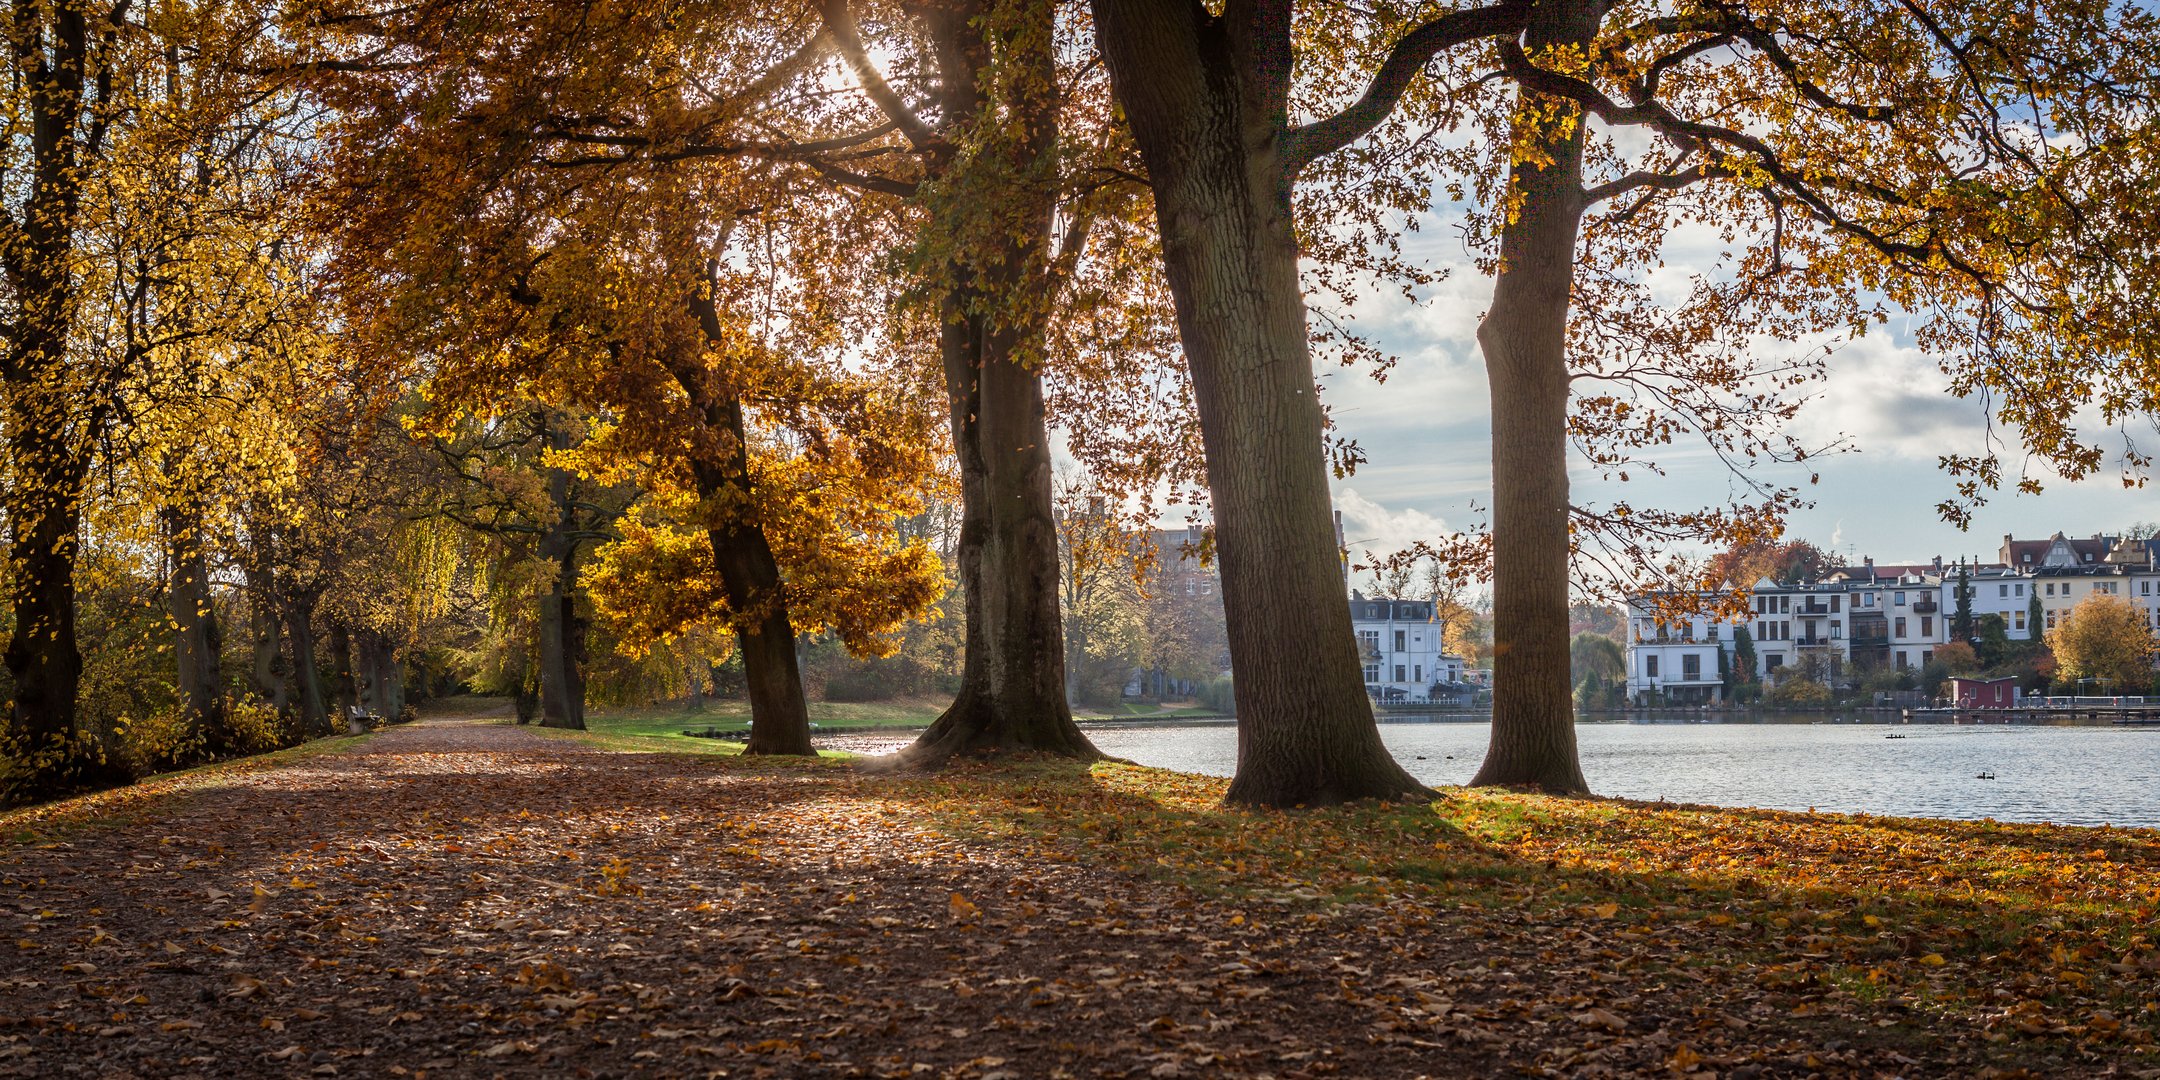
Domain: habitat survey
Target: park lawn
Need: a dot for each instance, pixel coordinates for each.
(663, 726)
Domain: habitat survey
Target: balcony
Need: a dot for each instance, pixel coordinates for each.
(1875, 637)
(1924, 606)
(1816, 642)
(1813, 607)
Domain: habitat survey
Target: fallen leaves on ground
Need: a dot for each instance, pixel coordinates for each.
(477, 899)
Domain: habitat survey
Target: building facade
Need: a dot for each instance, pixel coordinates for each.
(1400, 645)
(1881, 616)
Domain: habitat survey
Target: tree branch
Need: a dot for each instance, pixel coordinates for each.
(1308, 143)
(840, 23)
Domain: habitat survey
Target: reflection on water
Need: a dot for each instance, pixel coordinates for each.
(2084, 775)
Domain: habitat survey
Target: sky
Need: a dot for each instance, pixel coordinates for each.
(1426, 433)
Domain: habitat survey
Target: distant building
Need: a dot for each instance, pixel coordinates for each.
(1400, 645)
(1883, 616)
(1972, 692)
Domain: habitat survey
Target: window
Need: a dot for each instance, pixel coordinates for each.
(1773, 661)
(1372, 673)
(2018, 622)
(2051, 588)
(1649, 666)
(1900, 631)
(2145, 588)
(1369, 641)
(1784, 605)
(2018, 589)
(1399, 673)
(1399, 646)
(1899, 600)
(1417, 673)
(2051, 619)
(1927, 626)
(1926, 656)
(1834, 600)
(2002, 589)
(1901, 662)
(1372, 611)
(1691, 667)
(1837, 628)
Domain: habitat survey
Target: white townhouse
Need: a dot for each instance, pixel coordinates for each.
(1886, 616)
(1400, 644)
(1677, 657)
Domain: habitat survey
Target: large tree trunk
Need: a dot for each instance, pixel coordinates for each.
(51, 755)
(1524, 337)
(197, 644)
(1012, 682)
(1306, 733)
(1012, 686)
(562, 683)
(307, 675)
(749, 575)
(268, 673)
(562, 632)
(382, 677)
(343, 681)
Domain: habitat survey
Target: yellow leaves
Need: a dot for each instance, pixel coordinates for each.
(1932, 960)
(962, 910)
(544, 977)
(615, 880)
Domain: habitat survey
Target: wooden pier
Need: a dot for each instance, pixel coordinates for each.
(2133, 713)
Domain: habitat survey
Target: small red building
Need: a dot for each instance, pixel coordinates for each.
(1967, 692)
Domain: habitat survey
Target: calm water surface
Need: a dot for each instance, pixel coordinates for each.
(2079, 775)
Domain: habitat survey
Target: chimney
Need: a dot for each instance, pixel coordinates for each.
(1938, 564)
(1869, 562)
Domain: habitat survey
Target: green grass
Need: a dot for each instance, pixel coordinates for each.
(666, 723)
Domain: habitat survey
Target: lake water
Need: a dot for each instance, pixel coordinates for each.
(2082, 775)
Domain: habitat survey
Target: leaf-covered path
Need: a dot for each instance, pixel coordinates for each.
(473, 899)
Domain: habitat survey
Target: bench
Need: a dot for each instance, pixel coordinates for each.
(359, 721)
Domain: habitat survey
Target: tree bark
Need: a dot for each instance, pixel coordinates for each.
(749, 574)
(1012, 683)
(562, 684)
(307, 675)
(1012, 679)
(1206, 111)
(1524, 338)
(382, 686)
(268, 672)
(562, 631)
(52, 754)
(198, 645)
(342, 679)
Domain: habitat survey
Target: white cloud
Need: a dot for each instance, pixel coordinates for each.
(1888, 399)
(1370, 526)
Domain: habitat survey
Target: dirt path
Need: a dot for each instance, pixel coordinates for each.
(472, 899)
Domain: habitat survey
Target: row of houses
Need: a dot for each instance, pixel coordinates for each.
(1881, 616)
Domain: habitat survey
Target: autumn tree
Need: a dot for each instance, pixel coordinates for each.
(1208, 100)
(2104, 640)
(1789, 563)
(137, 251)
(506, 480)
(1967, 164)
(695, 296)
